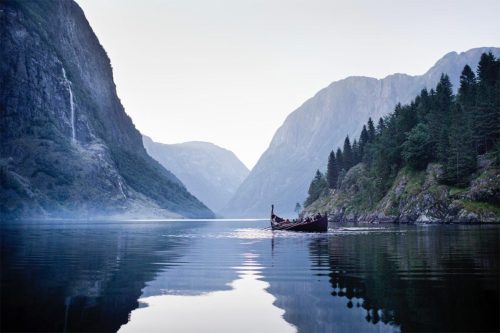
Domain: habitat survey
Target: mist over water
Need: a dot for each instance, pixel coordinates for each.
(233, 275)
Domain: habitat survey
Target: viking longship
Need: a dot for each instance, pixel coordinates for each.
(318, 223)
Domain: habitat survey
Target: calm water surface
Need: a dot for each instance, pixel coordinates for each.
(233, 276)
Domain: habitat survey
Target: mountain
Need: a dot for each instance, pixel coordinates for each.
(68, 149)
(210, 172)
(302, 144)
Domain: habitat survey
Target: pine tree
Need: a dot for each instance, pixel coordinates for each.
(340, 160)
(363, 141)
(332, 171)
(347, 154)
(444, 97)
(371, 130)
(439, 118)
(355, 153)
(467, 90)
(487, 70)
(405, 119)
(380, 126)
(461, 157)
(487, 111)
(444, 93)
(386, 156)
(467, 97)
(423, 105)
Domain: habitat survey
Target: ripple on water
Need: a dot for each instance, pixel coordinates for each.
(265, 233)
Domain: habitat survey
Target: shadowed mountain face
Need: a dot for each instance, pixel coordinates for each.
(67, 145)
(211, 173)
(302, 144)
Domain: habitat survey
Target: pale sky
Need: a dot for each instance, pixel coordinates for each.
(230, 71)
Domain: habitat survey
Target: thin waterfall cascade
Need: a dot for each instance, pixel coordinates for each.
(71, 105)
(120, 185)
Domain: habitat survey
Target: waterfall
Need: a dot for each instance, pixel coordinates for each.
(71, 105)
(120, 186)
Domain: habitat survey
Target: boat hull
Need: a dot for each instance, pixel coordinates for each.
(320, 225)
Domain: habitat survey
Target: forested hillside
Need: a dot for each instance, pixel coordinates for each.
(439, 142)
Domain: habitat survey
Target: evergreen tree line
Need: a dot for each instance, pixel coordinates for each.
(436, 127)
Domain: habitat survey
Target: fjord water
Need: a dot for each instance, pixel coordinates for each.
(233, 276)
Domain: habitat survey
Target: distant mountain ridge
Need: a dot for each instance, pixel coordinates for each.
(67, 147)
(210, 172)
(301, 145)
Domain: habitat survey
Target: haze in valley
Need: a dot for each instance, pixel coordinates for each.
(230, 72)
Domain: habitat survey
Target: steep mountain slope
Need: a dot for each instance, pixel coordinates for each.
(301, 145)
(67, 146)
(210, 172)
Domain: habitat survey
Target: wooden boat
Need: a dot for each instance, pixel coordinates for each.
(319, 223)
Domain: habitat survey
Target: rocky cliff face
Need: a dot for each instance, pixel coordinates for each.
(209, 172)
(67, 146)
(302, 144)
(415, 197)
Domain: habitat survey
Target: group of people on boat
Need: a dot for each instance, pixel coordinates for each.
(315, 217)
(315, 223)
(307, 219)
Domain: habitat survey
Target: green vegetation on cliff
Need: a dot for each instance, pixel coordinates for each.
(67, 147)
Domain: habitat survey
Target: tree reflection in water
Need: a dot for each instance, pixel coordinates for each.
(419, 279)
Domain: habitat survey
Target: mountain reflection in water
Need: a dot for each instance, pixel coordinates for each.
(247, 307)
(232, 275)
